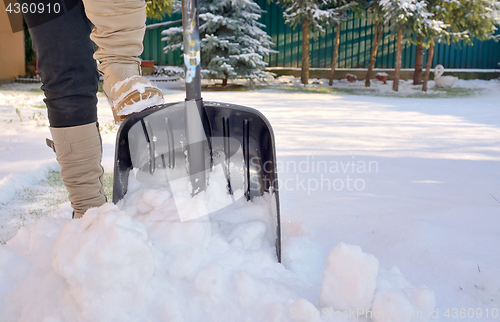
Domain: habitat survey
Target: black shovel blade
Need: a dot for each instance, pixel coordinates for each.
(152, 143)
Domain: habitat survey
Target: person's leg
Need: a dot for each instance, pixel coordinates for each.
(119, 27)
(68, 70)
(70, 82)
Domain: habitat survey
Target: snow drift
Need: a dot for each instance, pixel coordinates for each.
(141, 263)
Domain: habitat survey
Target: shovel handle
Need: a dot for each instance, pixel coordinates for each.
(191, 34)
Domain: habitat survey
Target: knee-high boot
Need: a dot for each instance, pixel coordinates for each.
(79, 153)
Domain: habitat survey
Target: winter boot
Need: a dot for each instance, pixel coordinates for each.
(119, 27)
(79, 153)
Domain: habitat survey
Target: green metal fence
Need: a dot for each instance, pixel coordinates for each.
(354, 50)
(153, 46)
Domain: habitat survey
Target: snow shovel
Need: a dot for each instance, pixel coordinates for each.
(196, 142)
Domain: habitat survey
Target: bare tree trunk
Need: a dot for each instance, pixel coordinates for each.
(419, 61)
(430, 56)
(224, 81)
(399, 52)
(305, 52)
(379, 32)
(335, 53)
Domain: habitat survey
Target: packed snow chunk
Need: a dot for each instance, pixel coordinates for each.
(183, 245)
(174, 238)
(152, 199)
(350, 279)
(107, 260)
(155, 198)
(209, 280)
(397, 300)
(245, 286)
(248, 235)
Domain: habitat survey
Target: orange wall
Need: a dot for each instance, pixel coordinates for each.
(11, 49)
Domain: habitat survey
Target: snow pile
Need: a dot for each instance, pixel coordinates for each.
(397, 300)
(110, 266)
(353, 285)
(115, 275)
(141, 263)
(350, 279)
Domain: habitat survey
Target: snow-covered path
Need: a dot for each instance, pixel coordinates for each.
(414, 182)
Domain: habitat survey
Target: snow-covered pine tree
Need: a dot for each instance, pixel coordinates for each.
(233, 42)
(478, 18)
(312, 15)
(405, 15)
(460, 20)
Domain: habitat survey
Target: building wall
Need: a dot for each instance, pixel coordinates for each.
(11, 49)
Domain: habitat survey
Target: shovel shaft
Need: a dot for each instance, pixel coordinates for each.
(196, 146)
(194, 105)
(191, 35)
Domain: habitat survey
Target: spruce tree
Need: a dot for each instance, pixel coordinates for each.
(233, 42)
(478, 18)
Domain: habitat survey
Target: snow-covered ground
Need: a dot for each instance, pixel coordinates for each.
(413, 182)
(379, 88)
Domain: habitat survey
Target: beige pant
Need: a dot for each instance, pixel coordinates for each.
(119, 28)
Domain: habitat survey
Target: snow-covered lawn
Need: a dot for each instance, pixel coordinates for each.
(414, 182)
